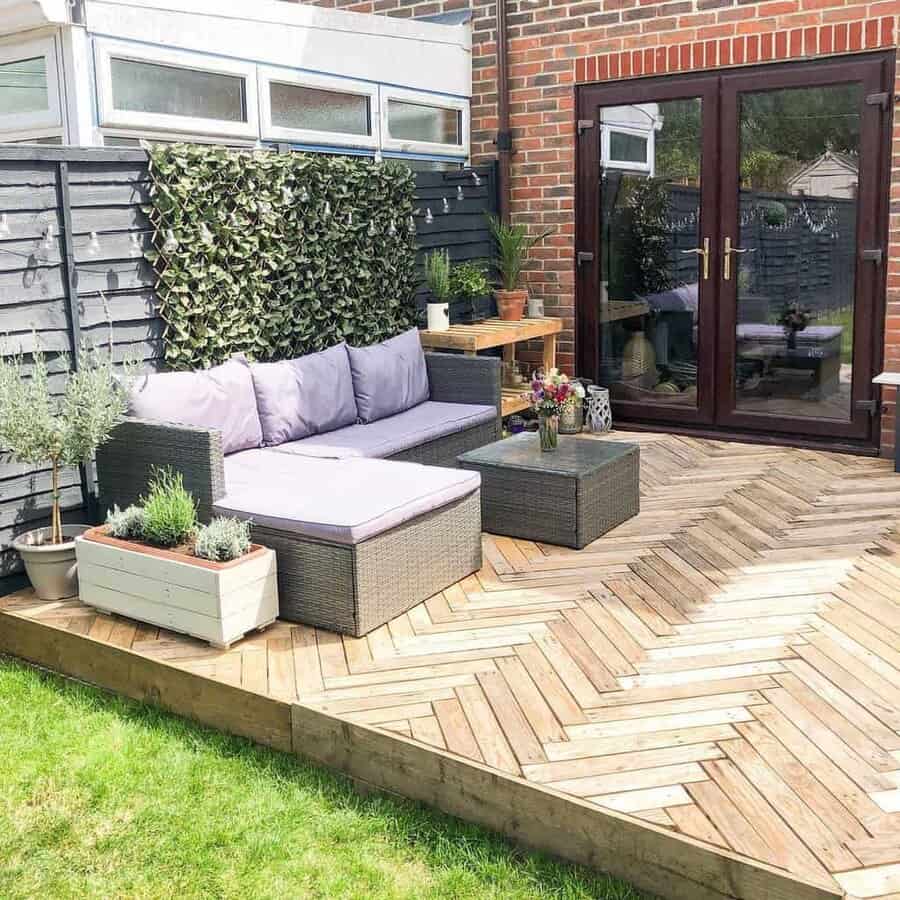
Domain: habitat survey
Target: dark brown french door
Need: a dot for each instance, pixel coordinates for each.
(728, 233)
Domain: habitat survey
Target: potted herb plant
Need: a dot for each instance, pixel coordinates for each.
(469, 283)
(513, 244)
(38, 428)
(437, 277)
(155, 563)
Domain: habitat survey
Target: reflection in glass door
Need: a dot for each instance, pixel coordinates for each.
(794, 262)
(729, 229)
(653, 254)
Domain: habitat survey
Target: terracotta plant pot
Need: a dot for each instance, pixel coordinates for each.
(511, 304)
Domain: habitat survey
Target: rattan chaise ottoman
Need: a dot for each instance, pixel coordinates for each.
(570, 496)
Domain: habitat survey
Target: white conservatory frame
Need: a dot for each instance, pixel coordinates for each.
(43, 123)
(110, 117)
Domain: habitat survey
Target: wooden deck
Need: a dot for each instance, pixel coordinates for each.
(705, 701)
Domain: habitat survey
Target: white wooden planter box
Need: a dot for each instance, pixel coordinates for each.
(215, 602)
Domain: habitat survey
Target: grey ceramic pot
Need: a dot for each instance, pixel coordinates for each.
(50, 567)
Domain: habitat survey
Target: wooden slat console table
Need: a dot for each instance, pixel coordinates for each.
(499, 333)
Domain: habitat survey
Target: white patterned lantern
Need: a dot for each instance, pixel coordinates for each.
(599, 412)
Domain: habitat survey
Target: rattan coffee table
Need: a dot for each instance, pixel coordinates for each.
(569, 496)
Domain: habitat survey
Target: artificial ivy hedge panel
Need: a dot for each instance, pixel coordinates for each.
(277, 255)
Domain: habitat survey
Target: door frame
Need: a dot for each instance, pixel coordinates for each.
(873, 232)
(587, 276)
(868, 70)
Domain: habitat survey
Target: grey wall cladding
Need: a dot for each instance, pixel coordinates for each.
(97, 292)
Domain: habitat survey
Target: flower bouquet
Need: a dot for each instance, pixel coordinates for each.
(794, 317)
(550, 394)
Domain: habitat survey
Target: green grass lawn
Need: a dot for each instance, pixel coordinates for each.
(102, 797)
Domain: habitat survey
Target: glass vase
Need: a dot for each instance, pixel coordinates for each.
(548, 429)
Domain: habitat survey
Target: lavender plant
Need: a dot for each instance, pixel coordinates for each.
(223, 539)
(36, 427)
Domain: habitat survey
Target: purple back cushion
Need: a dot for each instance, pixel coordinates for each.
(389, 377)
(220, 398)
(304, 396)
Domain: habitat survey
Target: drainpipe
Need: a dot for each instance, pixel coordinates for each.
(504, 135)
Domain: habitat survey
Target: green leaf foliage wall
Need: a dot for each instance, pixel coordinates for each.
(277, 255)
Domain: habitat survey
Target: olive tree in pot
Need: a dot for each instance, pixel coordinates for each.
(513, 244)
(35, 428)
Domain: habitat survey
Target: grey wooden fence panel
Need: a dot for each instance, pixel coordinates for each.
(116, 301)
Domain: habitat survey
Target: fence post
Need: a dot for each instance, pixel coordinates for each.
(86, 468)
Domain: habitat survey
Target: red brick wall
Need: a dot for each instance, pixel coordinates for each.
(555, 44)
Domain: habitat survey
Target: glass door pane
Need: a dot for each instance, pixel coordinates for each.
(650, 266)
(794, 262)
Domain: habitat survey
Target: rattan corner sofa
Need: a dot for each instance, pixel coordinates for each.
(367, 519)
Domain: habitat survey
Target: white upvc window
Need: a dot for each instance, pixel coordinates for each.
(304, 108)
(416, 122)
(628, 149)
(174, 91)
(29, 89)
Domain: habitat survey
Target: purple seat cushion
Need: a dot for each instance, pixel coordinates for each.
(389, 377)
(304, 396)
(426, 422)
(343, 501)
(221, 398)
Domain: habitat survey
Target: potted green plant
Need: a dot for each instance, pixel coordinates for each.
(513, 244)
(437, 277)
(155, 563)
(469, 283)
(36, 427)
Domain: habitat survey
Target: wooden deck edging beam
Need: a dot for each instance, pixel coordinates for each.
(672, 866)
(222, 706)
(652, 858)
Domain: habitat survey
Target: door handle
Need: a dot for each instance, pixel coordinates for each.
(726, 255)
(703, 252)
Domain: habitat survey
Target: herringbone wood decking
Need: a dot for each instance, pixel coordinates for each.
(726, 665)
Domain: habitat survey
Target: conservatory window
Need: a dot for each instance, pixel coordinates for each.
(421, 123)
(29, 94)
(175, 91)
(300, 107)
(148, 87)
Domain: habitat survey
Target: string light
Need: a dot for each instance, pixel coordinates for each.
(475, 179)
(411, 226)
(350, 219)
(47, 244)
(170, 244)
(326, 210)
(206, 235)
(392, 228)
(287, 195)
(93, 246)
(4, 226)
(429, 218)
(371, 231)
(459, 193)
(304, 194)
(445, 205)
(135, 249)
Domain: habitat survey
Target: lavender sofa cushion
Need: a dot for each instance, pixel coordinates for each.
(304, 396)
(221, 398)
(389, 377)
(426, 422)
(343, 501)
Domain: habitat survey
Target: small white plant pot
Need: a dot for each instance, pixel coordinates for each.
(438, 316)
(50, 567)
(215, 602)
